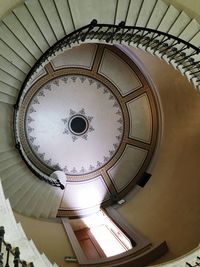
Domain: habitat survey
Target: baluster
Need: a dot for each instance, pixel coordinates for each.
(8, 249)
(142, 37)
(104, 33)
(118, 28)
(129, 39)
(24, 264)
(2, 232)
(122, 35)
(150, 40)
(16, 257)
(91, 27)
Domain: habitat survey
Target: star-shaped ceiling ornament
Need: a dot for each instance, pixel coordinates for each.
(78, 124)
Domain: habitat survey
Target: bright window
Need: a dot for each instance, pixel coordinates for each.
(109, 237)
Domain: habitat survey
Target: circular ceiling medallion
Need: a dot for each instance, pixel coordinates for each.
(86, 130)
(78, 125)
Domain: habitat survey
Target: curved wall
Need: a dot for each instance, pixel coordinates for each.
(167, 208)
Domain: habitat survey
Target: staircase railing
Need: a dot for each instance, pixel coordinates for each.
(5, 260)
(181, 54)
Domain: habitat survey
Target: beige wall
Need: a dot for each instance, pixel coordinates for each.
(49, 237)
(168, 207)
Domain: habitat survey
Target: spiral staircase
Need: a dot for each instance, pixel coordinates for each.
(29, 30)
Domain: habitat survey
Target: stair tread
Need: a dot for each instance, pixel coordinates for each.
(8, 37)
(122, 10)
(169, 19)
(83, 12)
(133, 12)
(64, 13)
(145, 13)
(26, 18)
(37, 13)
(53, 17)
(22, 34)
(13, 57)
(157, 14)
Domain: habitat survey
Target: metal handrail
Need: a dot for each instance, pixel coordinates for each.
(113, 30)
(157, 41)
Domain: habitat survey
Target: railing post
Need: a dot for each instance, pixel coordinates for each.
(118, 28)
(16, 257)
(8, 248)
(2, 232)
(24, 264)
(93, 23)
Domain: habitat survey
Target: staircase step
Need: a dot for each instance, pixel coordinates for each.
(2, 199)
(8, 154)
(9, 90)
(13, 187)
(180, 24)
(169, 19)
(157, 14)
(54, 199)
(15, 44)
(6, 132)
(146, 12)
(45, 200)
(36, 10)
(22, 194)
(133, 12)
(122, 7)
(190, 31)
(83, 12)
(9, 79)
(13, 57)
(11, 230)
(5, 164)
(22, 34)
(65, 15)
(52, 15)
(10, 68)
(6, 149)
(24, 16)
(40, 200)
(11, 100)
(11, 173)
(32, 198)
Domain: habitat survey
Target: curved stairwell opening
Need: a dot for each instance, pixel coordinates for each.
(34, 27)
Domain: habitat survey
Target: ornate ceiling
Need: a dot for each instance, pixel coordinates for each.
(92, 114)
